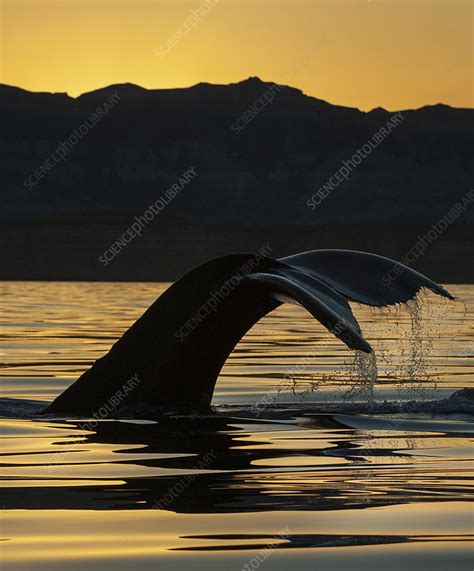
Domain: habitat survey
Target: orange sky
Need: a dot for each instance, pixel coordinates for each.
(396, 54)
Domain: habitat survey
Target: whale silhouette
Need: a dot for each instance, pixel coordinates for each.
(177, 348)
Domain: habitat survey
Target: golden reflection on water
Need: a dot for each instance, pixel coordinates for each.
(75, 498)
(56, 540)
(381, 494)
(52, 332)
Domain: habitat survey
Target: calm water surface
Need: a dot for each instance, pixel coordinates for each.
(292, 490)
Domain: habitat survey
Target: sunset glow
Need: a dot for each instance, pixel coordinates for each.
(362, 54)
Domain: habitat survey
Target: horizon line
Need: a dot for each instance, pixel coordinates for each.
(438, 104)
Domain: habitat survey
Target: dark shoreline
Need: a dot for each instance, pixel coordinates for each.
(68, 248)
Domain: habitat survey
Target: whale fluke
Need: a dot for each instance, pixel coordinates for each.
(177, 348)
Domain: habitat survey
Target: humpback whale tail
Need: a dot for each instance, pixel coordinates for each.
(177, 348)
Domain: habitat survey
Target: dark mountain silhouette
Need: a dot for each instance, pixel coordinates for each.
(261, 177)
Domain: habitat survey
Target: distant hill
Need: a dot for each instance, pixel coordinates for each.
(267, 171)
(291, 146)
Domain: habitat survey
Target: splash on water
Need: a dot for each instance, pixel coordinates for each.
(404, 363)
(402, 337)
(416, 356)
(363, 375)
(419, 324)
